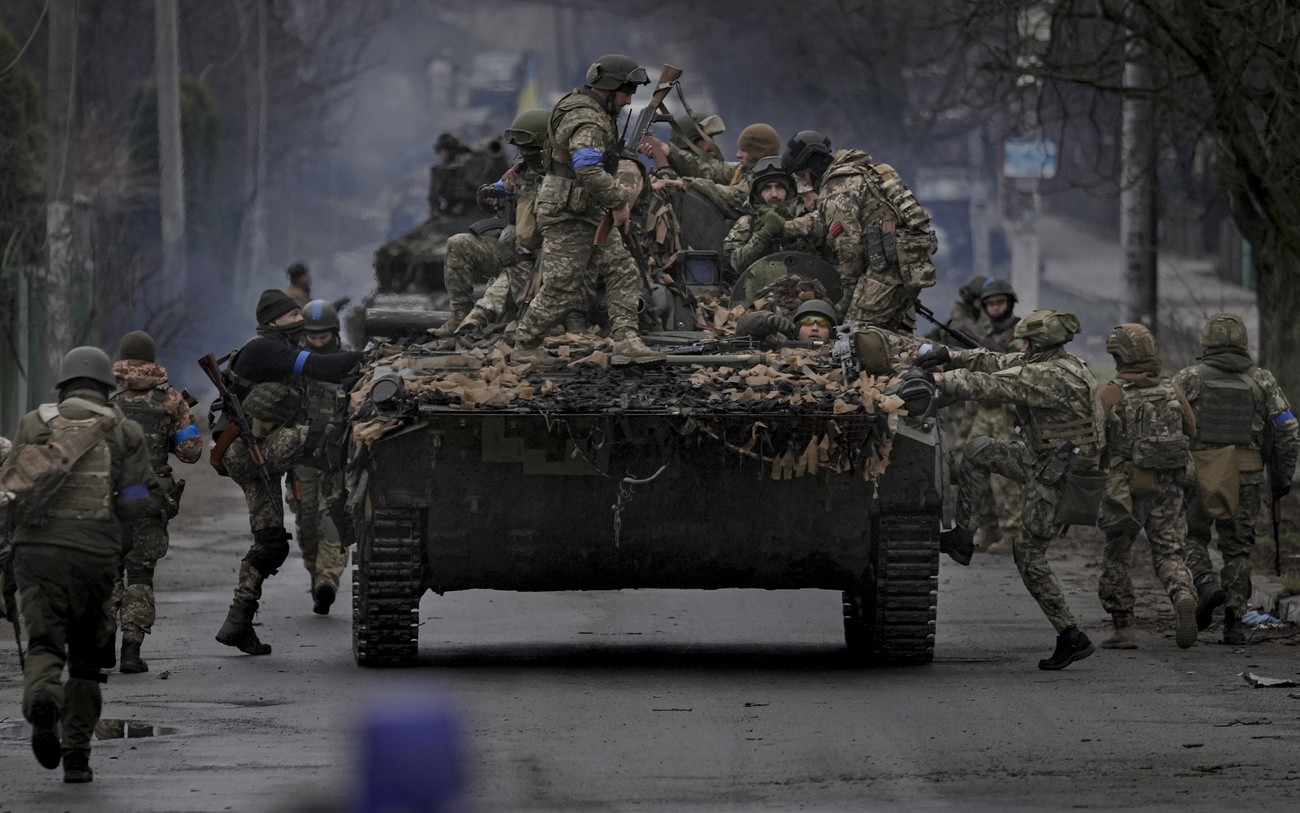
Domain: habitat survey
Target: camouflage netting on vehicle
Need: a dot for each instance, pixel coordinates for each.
(788, 409)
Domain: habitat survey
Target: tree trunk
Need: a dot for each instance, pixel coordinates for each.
(171, 168)
(252, 228)
(1276, 272)
(55, 284)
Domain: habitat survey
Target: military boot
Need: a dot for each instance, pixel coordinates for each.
(238, 629)
(1234, 633)
(322, 596)
(536, 356)
(958, 544)
(1005, 545)
(986, 537)
(45, 730)
(633, 351)
(1185, 623)
(1125, 634)
(76, 767)
(132, 663)
(1071, 645)
(449, 326)
(1209, 597)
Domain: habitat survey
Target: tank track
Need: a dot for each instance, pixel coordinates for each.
(890, 616)
(387, 583)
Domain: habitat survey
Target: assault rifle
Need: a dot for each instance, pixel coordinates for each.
(239, 426)
(667, 80)
(1279, 485)
(965, 340)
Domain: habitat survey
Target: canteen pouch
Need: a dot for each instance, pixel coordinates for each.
(1081, 497)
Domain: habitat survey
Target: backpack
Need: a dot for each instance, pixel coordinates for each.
(907, 249)
(36, 472)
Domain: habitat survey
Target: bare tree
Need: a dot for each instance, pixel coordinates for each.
(60, 109)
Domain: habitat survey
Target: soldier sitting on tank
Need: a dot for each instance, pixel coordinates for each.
(813, 321)
(703, 159)
(761, 231)
(730, 192)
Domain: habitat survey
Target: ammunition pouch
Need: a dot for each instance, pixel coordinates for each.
(873, 351)
(1081, 497)
(1053, 470)
(1161, 454)
(171, 490)
(559, 196)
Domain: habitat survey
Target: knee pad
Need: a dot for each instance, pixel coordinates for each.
(270, 549)
(975, 447)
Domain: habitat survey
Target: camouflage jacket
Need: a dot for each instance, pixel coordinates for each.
(743, 244)
(688, 164)
(1270, 403)
(137, 380)
(576, 186)
(521, 184)
(1055, 395)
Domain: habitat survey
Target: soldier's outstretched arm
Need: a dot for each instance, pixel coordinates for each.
(985, 361)
(264, 360)
(1016, 385)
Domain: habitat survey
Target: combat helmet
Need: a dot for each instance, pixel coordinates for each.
(1224, 330)
(320, 316)
(809, 150)
(1130, 343)
(528, 130)
(612, 71)
(816, 307)
(973, 288)
(1048, 328)
(770, 170)
(86, 362)
(998, 287)
(700, 125)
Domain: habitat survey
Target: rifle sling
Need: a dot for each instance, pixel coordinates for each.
(74, 447)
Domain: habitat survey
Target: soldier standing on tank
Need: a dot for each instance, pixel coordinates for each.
(761, 231)
(506, 261)
(577, 192)
(1055, 396)
(859, 206)
(1147, 461)
(268, 375)
(66, 563)
(996, 326)
(299, 283)
(323, 553)
(702, 161)
(1234, 401)
(145, 396)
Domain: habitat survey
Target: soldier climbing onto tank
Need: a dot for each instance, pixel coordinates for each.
(576, 194)
(1236, 403)
(879, 234)
(1055, 396)
(761, 231)
(145, 396)
(704, 158)
(318, 493)
(268, 375)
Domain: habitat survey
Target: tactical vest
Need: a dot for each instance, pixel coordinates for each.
(87, 492)
(561, 158)
(1084, 432)
(1227, 409)
(151, 414)
(1153, 427)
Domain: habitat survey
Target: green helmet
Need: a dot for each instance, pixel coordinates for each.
(1048, 328)
(86, 362)
(612, 71)
(770, 170)
(319, 316)
(700, 125)
(1224, 330)
(998, 287)
(1130, 343)
(815, 307)
(529, 128)
(973, 288)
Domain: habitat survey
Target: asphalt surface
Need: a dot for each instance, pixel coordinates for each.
(677, 700)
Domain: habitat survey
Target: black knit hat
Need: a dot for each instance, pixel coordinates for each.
(138, 345)
(272, 304)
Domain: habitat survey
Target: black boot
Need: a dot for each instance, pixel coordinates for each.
(76, 767)
(45, 730)
(1071, 646)
(132, 663)
(322, 597)
(1234, 633)
(1209, 597)
(238, 629)
(958, 543)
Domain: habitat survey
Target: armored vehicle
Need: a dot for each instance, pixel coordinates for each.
(728, 466)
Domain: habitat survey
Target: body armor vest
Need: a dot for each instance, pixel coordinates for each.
(1153, 424)
(1227, 409)
(87, 493)
(1085, 432)
(561, 157)
(151, 414)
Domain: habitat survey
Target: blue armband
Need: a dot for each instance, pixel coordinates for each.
(1283, 418)
(185, 434)
(500, 187)
(302, 359)
(136, 492)
(587, 157)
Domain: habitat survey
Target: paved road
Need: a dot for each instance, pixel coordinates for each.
(673, 700)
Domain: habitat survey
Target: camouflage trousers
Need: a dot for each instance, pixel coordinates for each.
(880, 302)
(1123, 516)
(996, 422)
(1236, 539)
(323, 555)
(133, 594)
(66, 601)
(499, 299)
(572, 263)
(1013, 460)
(282, 448)
(471, 259)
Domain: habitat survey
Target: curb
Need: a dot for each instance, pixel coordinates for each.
(1264, 593)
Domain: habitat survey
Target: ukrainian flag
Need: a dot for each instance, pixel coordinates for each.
(528, 90)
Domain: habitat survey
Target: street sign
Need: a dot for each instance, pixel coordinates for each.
(1029, 158)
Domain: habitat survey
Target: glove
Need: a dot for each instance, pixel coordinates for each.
(762, 324)
(771, 224)
(781, 324)
(842, 307)
(488, 198)
(934, 357)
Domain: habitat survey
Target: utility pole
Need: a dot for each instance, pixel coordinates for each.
(56, 289)
(171, 158)
(1138, 221)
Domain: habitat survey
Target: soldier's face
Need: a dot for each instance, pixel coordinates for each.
(773, 193)
(814, 329)
(997, 306)
(318, 338)
(745, 159)
(621, 100)
(292, 317)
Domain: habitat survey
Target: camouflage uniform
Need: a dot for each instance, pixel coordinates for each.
(145, 396)
(997, 420)
(851, 203)
(1055, 395)
(323, 554)
(1230, 367)
(745, 243)
(689, 164)
(472, 259)
(516, 267)
(572, 200)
